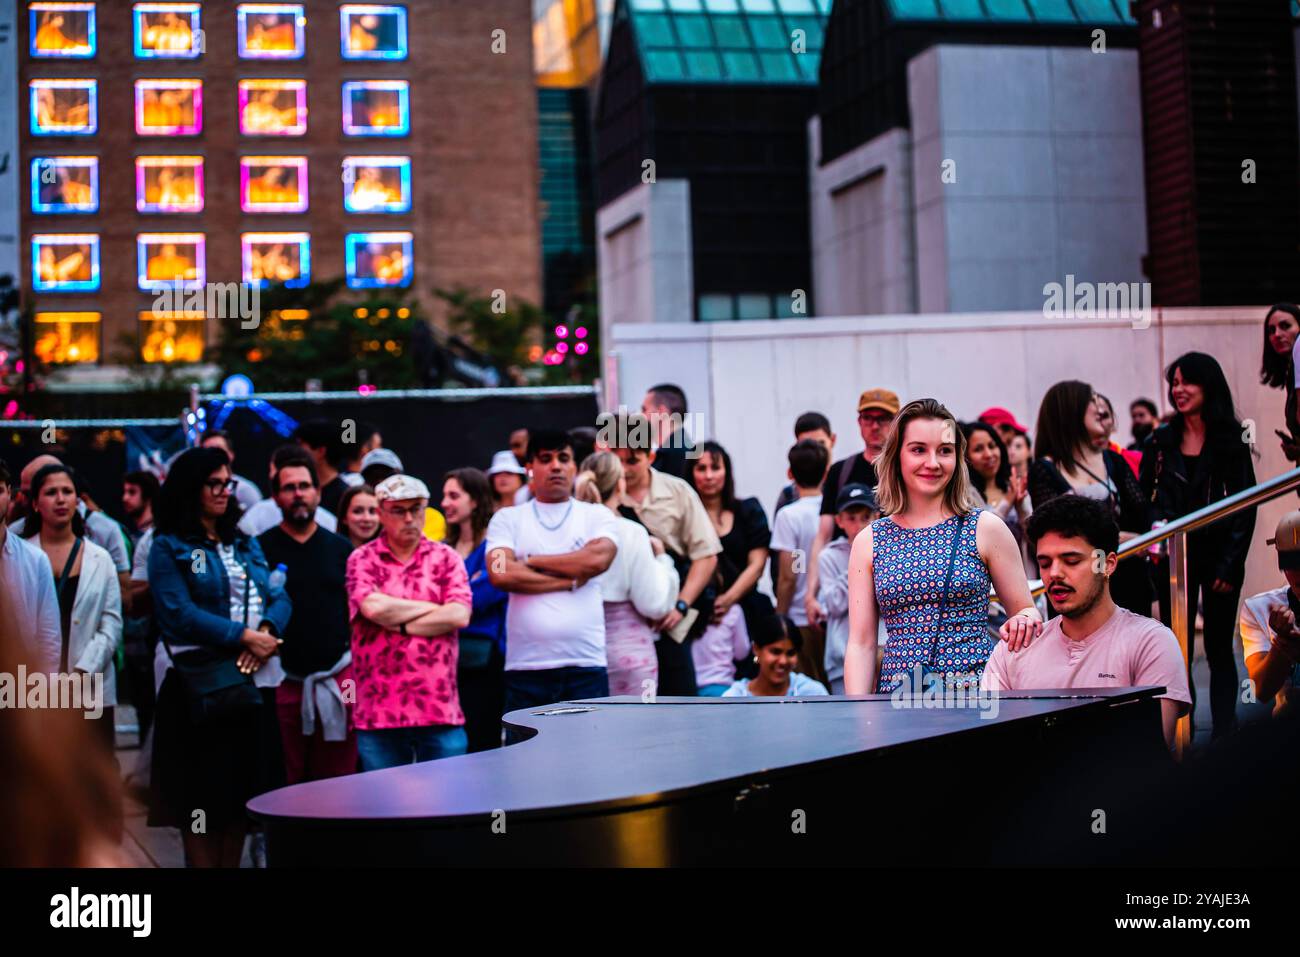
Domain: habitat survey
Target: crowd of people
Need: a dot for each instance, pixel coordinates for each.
(360, 619)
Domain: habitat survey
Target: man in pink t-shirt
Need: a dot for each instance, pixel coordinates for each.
(407, 596)
(1093, 643)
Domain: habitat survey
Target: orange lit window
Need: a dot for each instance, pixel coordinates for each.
(66, 337)
(171, 336)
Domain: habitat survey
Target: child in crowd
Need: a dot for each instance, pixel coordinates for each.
(855, 509)
(793, 532)
(777, 654)
(716, 651)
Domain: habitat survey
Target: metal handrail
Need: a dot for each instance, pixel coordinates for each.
(1247, 498)
(1176, 532)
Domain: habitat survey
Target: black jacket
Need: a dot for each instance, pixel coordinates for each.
(1046, 482)
(1131, 584)
(1223, 468)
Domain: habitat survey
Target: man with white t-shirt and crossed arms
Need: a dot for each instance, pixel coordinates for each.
(545, 553)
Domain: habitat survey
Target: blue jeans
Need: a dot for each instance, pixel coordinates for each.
(394, 747)
(532, 689)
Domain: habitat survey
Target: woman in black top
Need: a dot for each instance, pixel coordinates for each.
(1072, 456)
(1196, 459)
(1277, 370)
(742, 527)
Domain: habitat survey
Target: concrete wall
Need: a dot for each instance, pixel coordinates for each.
(643, 257)
(863, 236)
(750, 380)
(1046, 149)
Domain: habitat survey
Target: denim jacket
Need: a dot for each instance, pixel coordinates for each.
(191, 591)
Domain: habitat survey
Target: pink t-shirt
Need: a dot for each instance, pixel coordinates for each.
(405, 681)
(1127, 651)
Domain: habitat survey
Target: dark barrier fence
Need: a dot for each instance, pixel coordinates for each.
(431, 431)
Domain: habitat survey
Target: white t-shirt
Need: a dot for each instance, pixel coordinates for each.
(1257, 636)
(558, 629)
(793, 530)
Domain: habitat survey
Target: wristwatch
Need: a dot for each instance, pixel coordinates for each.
(682, 607)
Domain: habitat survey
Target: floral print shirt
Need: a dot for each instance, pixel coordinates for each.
(405, 681)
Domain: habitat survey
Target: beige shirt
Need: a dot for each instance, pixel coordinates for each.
(675, 515)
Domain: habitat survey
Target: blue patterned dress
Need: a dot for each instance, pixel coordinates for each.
(908, 568)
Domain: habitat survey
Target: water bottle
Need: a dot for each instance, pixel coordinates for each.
(278, 576)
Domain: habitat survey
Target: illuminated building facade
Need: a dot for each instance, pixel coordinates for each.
(167, 143)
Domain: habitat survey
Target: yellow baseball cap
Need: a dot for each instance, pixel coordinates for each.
(878, 399)
(1287, 540)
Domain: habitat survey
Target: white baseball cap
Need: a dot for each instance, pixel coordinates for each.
(401, 488)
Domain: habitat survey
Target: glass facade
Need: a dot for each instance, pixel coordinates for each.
(729, 41)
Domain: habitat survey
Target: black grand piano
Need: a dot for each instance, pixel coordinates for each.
(749, 782)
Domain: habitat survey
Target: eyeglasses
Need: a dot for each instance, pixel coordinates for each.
(413, 511)
(216, 486)
(875, 418)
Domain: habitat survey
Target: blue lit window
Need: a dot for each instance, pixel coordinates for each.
(376, 108)
(64, 107)
(379, 260)
(65, 262)
(61, 30)
(167, 31)
(372, 31)
(65, 184)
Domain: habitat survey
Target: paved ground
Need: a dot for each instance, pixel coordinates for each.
(161, 847)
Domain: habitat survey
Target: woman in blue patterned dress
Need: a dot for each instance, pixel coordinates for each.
(926, 566)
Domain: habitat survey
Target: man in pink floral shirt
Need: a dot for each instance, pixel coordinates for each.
(407, 596)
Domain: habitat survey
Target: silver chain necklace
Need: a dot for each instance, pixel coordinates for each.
(550, 528)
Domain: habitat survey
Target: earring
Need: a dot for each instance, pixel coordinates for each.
(756, 659)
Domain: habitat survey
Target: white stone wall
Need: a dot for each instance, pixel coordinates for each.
(750, 380)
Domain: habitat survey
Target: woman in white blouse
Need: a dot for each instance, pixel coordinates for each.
(86, 586)
(638, 588)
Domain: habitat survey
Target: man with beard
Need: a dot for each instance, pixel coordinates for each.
(1093, 643)
(315, 725)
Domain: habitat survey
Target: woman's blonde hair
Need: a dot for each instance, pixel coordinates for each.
(598, 478)
(958, 496)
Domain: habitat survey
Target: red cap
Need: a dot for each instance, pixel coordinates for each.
(998, 416)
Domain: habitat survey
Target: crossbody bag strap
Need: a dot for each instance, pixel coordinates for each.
(947, 582)
(58, 594)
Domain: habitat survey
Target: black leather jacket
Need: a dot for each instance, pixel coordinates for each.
(1222, 469)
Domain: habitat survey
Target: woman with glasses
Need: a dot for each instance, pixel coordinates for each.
(219, 618)
(1072, 457)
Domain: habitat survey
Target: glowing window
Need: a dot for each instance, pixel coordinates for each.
(271, 31)
(273, 107)
(65, 184)
(372, 31)
(378, 260)
(376, 108)
(273, 184)
(168, 107)
(170, 261)
(64, 107)
(377, 184)
(65, 262)
(66, 337)
(171, 336)
(65, 30)
(276, 258)
(167, 30)
(169, 184)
